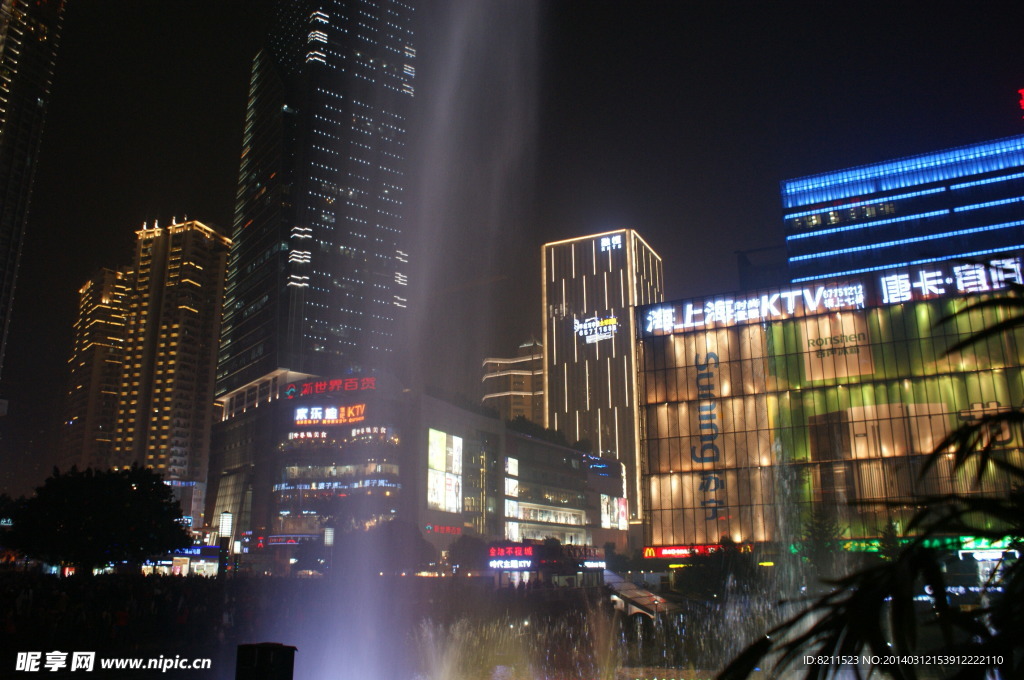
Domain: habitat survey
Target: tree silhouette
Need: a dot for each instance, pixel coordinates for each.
(91, 518)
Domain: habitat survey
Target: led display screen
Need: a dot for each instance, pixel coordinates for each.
(444, 471)
(614, 513)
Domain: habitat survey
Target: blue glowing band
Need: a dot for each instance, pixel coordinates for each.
(989, 204)
(990, 180)
(911, 263)
(903, 241)
(867, 225)
(964, 161)
(858, 204)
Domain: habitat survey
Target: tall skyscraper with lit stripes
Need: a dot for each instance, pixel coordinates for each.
(317, 274)
(590, 286)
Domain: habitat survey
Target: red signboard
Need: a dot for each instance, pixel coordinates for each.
(311, 387)
(671, 551)
(442, 529)
(512, 551)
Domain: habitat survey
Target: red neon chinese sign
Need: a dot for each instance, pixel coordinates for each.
(310, 387)
(442, 529)
(512, 551)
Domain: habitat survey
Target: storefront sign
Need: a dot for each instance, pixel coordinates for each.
(897, 286)
(669, 551)
(330, 415)
(511, 551)
(511, 564)
(306, 435)
(442, 529)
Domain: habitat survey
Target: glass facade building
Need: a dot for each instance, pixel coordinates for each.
(317, 275)
(966, 202)
(590, 286)
(760, 407)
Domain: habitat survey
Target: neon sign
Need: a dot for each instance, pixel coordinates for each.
(311, 387)
(888, 287)
(330, 415)
(611, 243)
(668, 551)
(306, 435)
(442, 529)
(510, 564)
(511, 551)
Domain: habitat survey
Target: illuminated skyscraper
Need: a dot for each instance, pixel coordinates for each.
(590, 285)
(962, 203)
(87, 436)
(317, 275)
(29, 34)
(165, 406)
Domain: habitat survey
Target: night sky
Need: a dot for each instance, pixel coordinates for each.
(539, 122)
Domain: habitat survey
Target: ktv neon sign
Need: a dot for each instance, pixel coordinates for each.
(888, 287)
(330, 415)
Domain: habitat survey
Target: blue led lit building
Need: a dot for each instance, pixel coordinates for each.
(961, 203)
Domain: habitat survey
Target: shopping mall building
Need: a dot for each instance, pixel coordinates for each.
(830, 395)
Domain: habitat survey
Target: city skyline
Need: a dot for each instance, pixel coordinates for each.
(679, 122)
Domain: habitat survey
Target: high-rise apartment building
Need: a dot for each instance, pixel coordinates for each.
(514, 386)
(29, 34)
(961, 203)
(166, 400)
(590, 286)
(317, 275)
(97, 359)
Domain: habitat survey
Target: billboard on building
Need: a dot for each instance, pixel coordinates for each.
(444, 471)
(756, 406)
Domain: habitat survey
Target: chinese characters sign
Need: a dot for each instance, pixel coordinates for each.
(330, 415)
(936, 280)
(595, 329)
(311, 387)
(890, 287)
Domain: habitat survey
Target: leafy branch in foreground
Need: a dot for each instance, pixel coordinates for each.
(877, 612)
